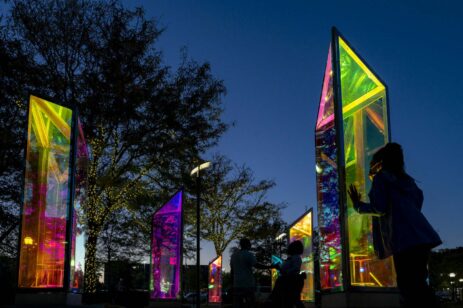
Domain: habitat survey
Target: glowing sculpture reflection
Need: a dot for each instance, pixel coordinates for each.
(46, 196)
(352, 124)
(275, 272)
(301, 230)
(166, 249)
(215, 280)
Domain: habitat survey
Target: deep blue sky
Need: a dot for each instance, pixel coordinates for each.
(271, 56)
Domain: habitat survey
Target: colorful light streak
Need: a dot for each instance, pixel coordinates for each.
(215, 280)
(166, 249)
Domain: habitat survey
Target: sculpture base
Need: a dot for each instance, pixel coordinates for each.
(360, 300)
(48, 298)
(166, 304)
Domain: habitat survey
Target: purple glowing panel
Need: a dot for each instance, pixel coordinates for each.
(166, 249)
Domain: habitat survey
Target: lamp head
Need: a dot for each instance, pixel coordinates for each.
(203, 166)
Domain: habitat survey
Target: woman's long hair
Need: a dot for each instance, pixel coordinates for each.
(392, 157)
(295, 248)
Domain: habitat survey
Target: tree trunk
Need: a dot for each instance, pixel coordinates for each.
(91, 275)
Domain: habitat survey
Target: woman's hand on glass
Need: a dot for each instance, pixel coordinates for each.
(354, 195)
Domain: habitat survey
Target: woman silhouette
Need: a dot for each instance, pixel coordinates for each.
(288, 287)
(400, 230)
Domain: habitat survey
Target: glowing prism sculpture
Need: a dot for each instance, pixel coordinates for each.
(166, 249)
(47, 214)
(215, 280)
(302, 230)
(352, 124)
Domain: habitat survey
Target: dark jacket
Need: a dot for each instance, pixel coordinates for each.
(399, 223)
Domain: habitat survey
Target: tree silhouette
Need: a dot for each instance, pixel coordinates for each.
(235, 205)
(145, 123)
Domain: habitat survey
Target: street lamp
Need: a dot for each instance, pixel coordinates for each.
(279, 237)
(196, 171)
(279, 241)
(452, 275)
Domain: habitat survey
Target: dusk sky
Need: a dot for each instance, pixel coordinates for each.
(271, 56)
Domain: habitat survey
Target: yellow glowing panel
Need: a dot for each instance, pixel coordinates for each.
(357, 80)
(359, 62)
(364, 110)
(302, 230)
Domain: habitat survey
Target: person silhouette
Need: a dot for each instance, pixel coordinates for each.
(399, 227)
(288, 287)
(241, 263)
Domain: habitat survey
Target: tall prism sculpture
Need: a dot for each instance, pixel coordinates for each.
(48, 227)
(166, 249)
(352, 124)
(301, 230)
(215, 280)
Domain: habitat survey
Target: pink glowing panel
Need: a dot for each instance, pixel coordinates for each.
(166, 249)
(326, 109)
(215, 280)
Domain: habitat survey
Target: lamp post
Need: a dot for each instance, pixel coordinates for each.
(279, 240)
(452, 275)
(196, 171)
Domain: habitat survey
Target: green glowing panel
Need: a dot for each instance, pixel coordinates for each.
(364, 113)
(359, 85)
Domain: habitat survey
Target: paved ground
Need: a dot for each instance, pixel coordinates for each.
(167, 305)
